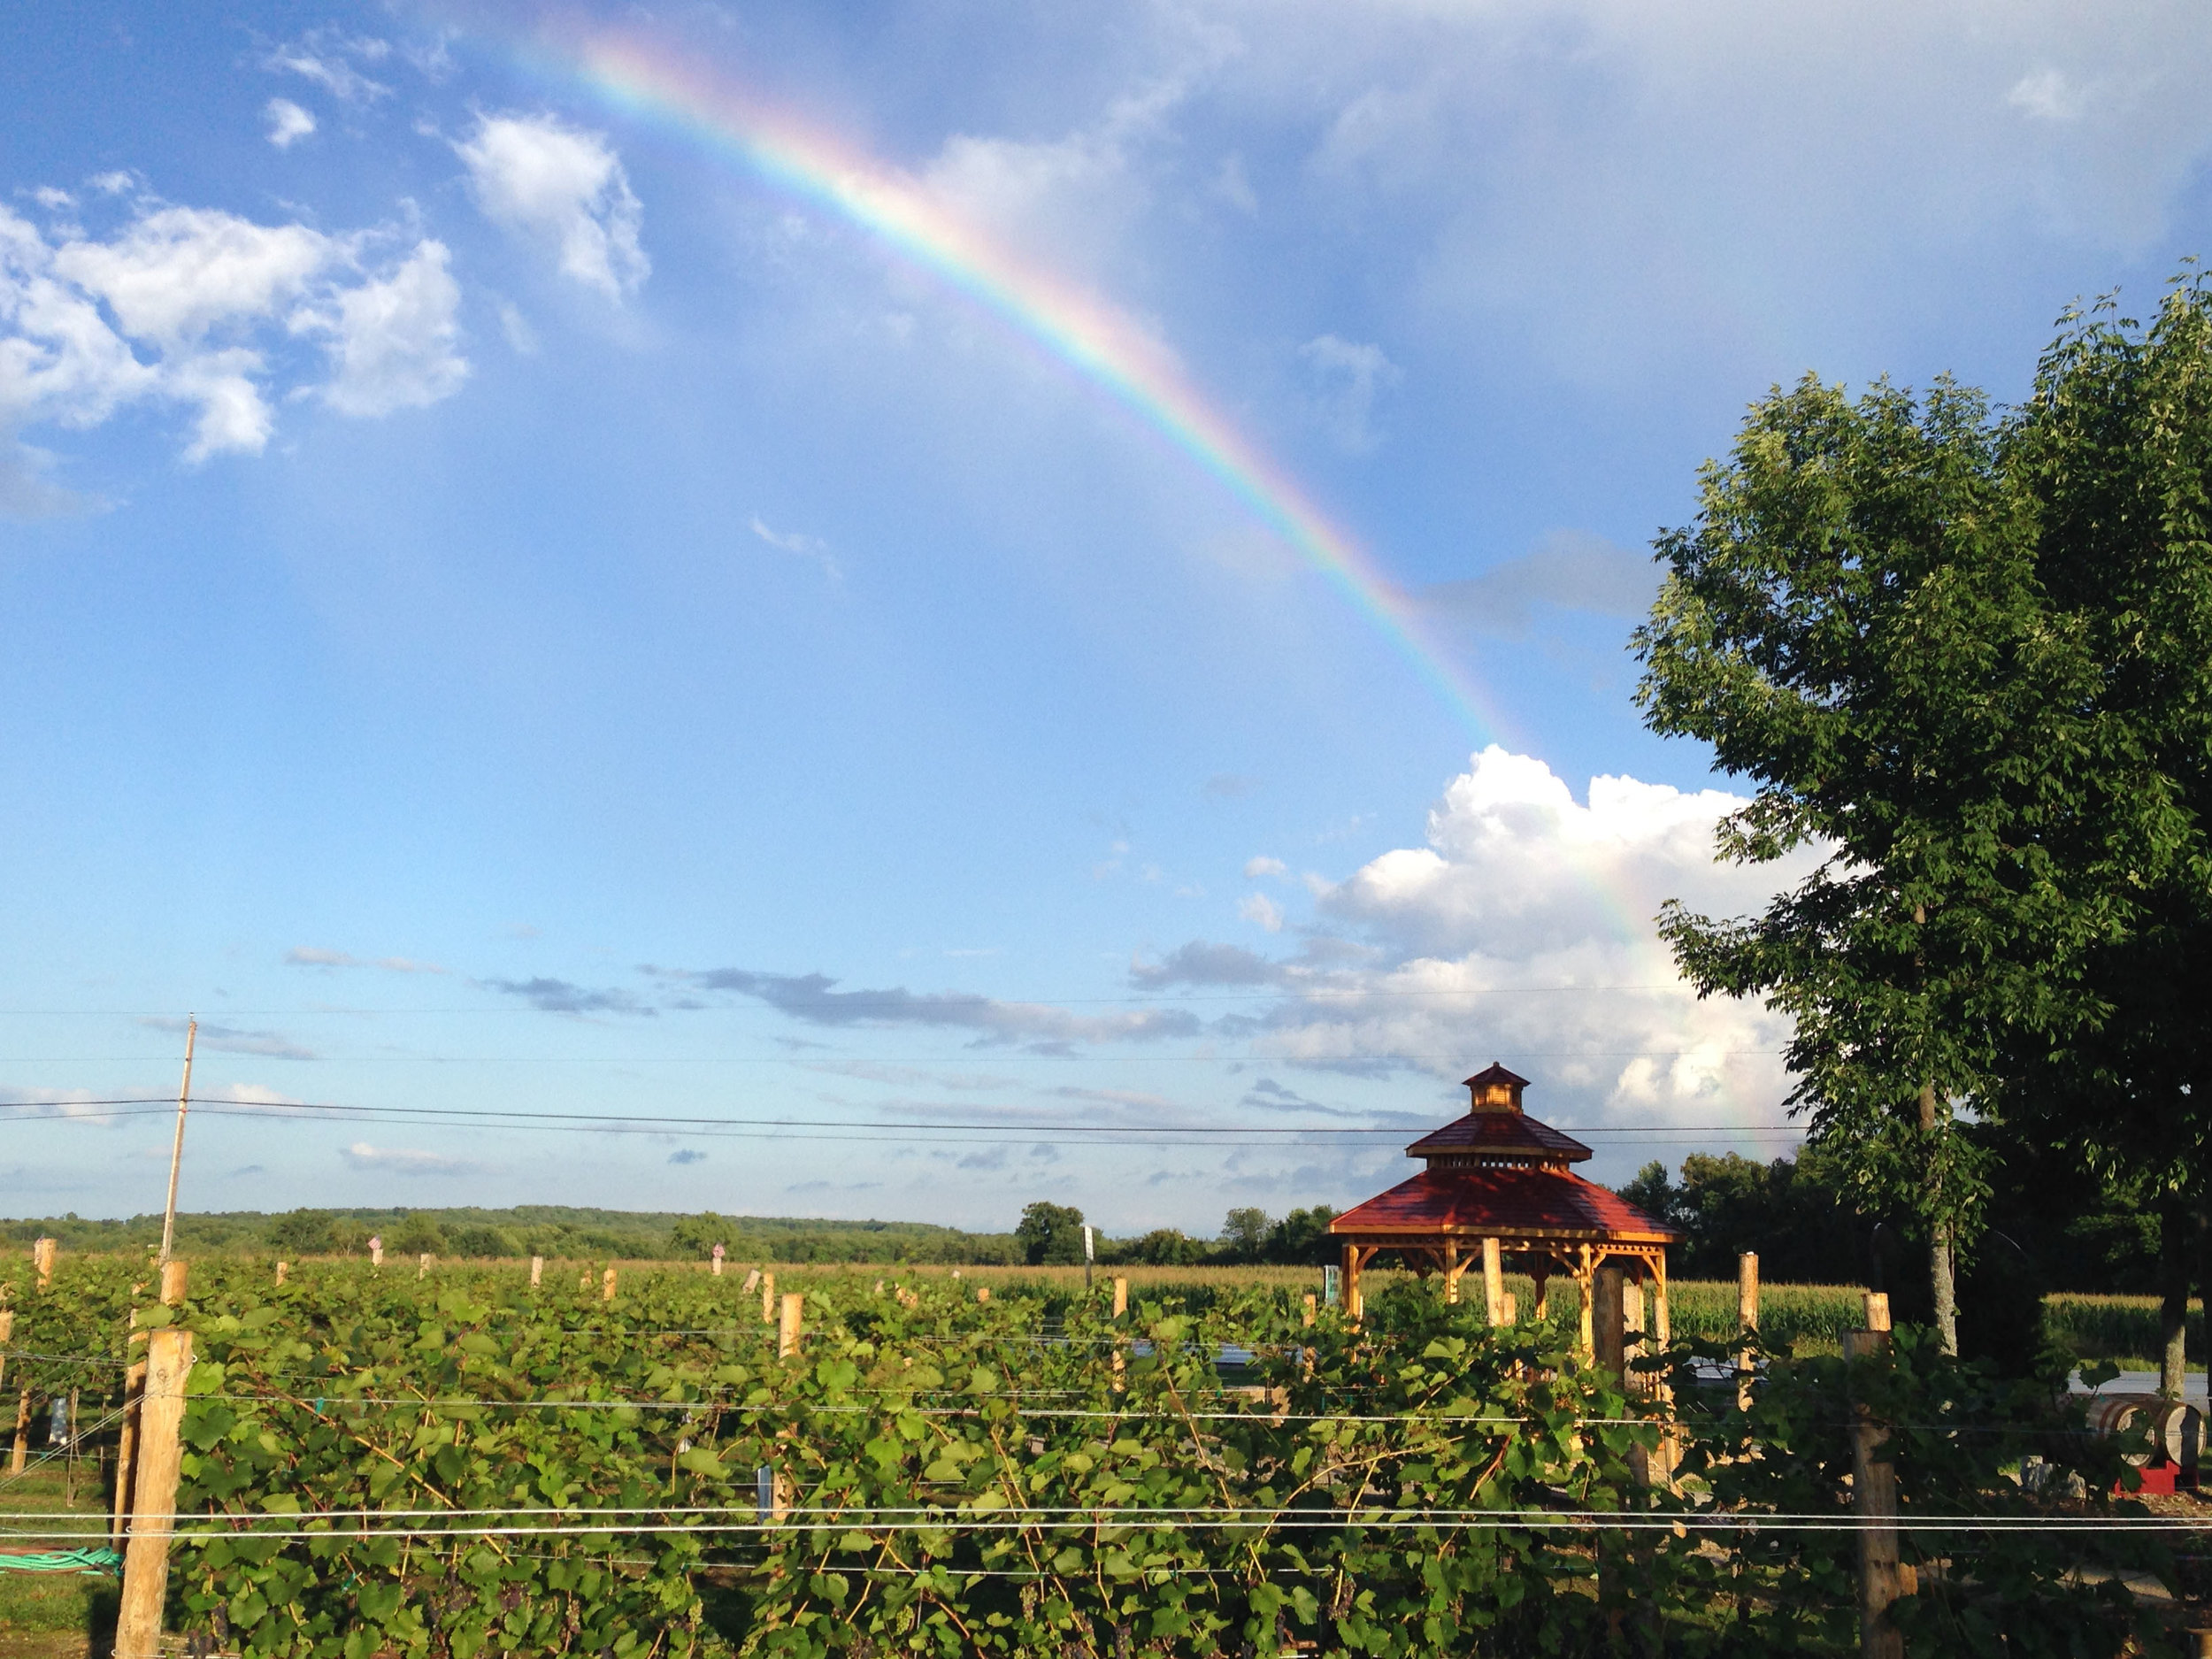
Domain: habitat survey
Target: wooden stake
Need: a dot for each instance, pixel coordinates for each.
(606, 1286)
(19, 1459)
(43, 1254)
(127, 1438)
(154, 1503)
(537, 1272)
(1121, 1297)
(717, 1261)
(752, 1280)
(1874, 1498)
(422, 1267)
(1877, 1310)
(376, 1252)
(767, 1297)
(282, 1269)
(1747, 1321)
(1313, 1304)
(175, 1276)
(787, 1325)
(1355, 1305)
(1493, 1281)
(7, 1335)
(983, 1293)
(1510, 1306)
(1451, 1271)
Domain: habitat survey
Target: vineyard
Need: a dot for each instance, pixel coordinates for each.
(454, 1462)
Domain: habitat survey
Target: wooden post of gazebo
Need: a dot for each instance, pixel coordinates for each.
(1497, 1179)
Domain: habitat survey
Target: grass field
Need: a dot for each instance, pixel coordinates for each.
(51, 1614)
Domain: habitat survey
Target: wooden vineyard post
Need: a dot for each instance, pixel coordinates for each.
(1747, 1321)
(1121, 1297)
(1493, 1281)
(1313, 1306)
(1452, 1270)
(606, 1286)
(376, 1252)
(1874, 1498)
(43, 1254)
(717, 1261)
(1355, 1305)
(787, 1325)
(7, 1335)
(422, 1267)
(175, 1274)
(1608, 1323)
(154, 1503)
(537, 1272)
(19, 1459)
(282, 1269)
(767, 1297)
(752, 1280)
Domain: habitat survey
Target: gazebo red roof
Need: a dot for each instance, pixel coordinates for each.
(1497, 1172)
(1523, 1202)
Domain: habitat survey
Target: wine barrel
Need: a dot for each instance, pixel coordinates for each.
(2173, 1431)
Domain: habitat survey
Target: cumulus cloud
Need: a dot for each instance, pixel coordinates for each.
(1570, 569)
(185, 305)
(564, 189)
(1262, 911)
(1263, 865)
(1524, 928)
(287, 122)
(393, 340)
(404, 1160)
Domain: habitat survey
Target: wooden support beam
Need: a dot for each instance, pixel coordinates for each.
(1451, 1271)
(1874, 1500)
(154, 1500)
(1353, 1305)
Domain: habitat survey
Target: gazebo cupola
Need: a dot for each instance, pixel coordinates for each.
(1497, 1182)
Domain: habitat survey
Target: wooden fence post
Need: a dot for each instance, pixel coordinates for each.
(1747, 1321)
(767, 1297)
(153, 1506)
(606, 1286)
(422, 1267)
(718, 1253)
(176, 1275)
(1874, 1498)
(1313, 1305)
(42, 1254)
(787, 1325)
(7, 1335)
(1121, 1298)
(376, 1252)
(282, 1269)
(1494, 1280)
(537, 1272)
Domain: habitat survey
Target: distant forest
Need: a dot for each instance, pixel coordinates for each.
(1799, 1214)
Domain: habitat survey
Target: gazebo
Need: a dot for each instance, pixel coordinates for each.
(1496, 1185)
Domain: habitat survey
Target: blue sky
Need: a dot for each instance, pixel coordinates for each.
(502, 609)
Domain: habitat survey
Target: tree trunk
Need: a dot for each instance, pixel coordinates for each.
(1942, 1268)
(2173, 1284)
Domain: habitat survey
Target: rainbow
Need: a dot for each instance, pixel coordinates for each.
(1096, 339)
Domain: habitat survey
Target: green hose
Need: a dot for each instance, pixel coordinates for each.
(64, 1561)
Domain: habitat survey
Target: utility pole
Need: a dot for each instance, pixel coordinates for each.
(176, 1152)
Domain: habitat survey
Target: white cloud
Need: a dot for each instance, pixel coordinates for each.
(806, 547)
(404, 1160)
(113, 183)
(563, 188)
(1349, 376)
(48, 196)
(1255, 868)
(185, 305)
(522, 339)
(393, 340)
(287, 122)
(1257, 908)
(326, 57)
(1524, 927)
(2047, 94)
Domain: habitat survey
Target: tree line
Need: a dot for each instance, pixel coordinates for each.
(1964, 656)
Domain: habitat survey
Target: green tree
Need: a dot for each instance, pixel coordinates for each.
(1302, 1239)
(1856, 623)
(417, 1235)
(1244, 1234)
(2115, 447)
(1050, 1235)
(304, 1233)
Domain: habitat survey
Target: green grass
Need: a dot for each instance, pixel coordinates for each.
(67, 1609)
(2123, 1329)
